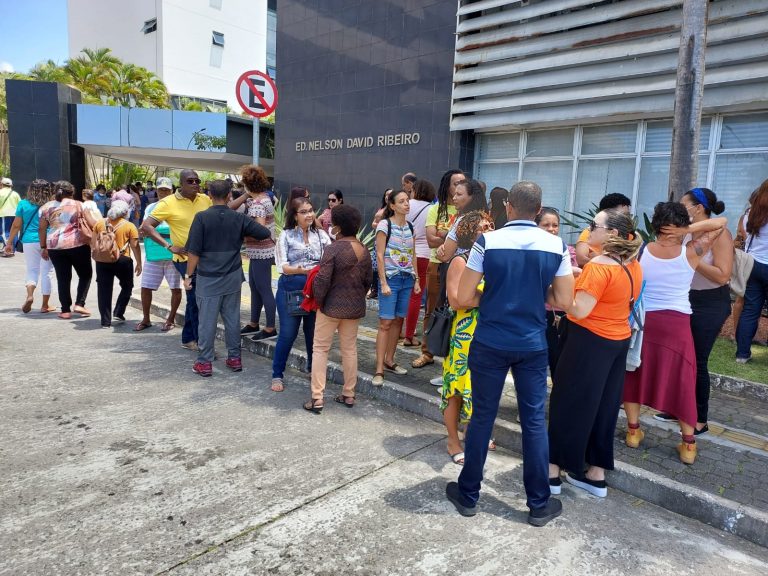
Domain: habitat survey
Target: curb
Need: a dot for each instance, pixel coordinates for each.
(744, 521)
(733, 385)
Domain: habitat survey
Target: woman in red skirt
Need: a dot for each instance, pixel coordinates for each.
(666, 378)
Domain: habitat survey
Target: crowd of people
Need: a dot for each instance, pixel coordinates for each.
(613, 320)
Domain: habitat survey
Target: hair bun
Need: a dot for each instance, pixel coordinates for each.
(719, 207)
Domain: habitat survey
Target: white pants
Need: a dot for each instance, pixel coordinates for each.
(37, 268)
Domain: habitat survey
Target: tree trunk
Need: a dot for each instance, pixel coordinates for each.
(689, 92)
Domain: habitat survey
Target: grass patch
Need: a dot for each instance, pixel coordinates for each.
(723, 361)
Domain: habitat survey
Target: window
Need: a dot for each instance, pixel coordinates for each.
(218, 39)
(271, 38)
(150, 26)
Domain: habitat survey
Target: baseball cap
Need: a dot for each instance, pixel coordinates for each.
(164, 183)
(7, 182)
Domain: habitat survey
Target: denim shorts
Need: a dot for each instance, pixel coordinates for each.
(396, 304)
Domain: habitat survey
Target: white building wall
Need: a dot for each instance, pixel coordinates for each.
(186, 28)
(117, 25)
(179, 52)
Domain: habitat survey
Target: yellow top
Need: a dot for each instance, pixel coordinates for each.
(179, 212)
(442, 226)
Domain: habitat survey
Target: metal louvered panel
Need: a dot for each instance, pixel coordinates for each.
(551, 61)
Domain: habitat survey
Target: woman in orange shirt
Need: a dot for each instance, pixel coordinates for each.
(587, 391)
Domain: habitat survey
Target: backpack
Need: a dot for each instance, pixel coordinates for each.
(389, 230)
(104, 246)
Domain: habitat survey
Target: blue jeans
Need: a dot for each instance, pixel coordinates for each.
(289, 325)
(489, 367)
(189, 332)
(396, 304)
(754, 299)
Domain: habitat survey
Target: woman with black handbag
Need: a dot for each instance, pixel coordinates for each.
(456, 394)
(299, 249)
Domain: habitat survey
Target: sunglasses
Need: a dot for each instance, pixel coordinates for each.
(593, 225)
(332, 200)
(193, 180)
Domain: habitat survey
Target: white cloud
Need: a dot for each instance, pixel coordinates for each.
(6, 66)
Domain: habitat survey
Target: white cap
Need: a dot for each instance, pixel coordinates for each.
(7, 182)
(164, 183)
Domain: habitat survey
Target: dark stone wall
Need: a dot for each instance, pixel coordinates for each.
(39, 133)
(358, 68)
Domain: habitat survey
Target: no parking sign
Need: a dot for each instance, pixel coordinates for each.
(257, 94)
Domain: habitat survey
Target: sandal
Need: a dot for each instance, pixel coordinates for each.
(65, 315)
(411, 342)
(492, 445)
(422, 361)
(48, 310)
(168, 326)
(277, 385)
(142, 326)
(84, 312)
(27, 306)
(458, 458)
(348, 401)
(315, 406)
(395, 369)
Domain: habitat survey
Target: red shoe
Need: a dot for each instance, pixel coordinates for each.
(205, 369)
(234, 364)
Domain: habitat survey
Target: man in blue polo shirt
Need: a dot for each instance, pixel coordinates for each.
(521, 264)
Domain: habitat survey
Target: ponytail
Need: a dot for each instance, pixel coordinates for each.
(627, 242)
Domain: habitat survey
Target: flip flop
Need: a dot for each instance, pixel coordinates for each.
(411, 342)
(65, 315)
(84, 313)
(142, 326)
(27, 306)
(48, 310)
(492, 445)
(458, 458)
(168, 326)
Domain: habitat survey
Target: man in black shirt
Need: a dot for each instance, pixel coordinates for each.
(213, 251)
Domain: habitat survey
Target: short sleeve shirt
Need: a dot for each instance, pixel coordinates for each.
(179, 212)
(8, 202)
(63, 231)
(124, 231)
(518, 262)
(30, 220)
(398, 255)
(261, 207)
(611, 287)
(443, 225)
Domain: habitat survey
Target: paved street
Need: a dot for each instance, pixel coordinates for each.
(117, 459)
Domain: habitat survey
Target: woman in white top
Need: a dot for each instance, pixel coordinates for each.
(299, 249)
(757, 286)
(710, 298)
(666, 378)
(423, 196)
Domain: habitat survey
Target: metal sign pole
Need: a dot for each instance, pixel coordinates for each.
(256, 141)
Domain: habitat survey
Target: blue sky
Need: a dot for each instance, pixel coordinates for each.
(33, 30)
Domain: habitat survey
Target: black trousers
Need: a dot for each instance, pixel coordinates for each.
(585, 400)
(553, 340)
(710, 310)
(105, 280)
(63, 261)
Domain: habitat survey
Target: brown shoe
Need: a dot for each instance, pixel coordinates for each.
(687, 452)
(634, 437)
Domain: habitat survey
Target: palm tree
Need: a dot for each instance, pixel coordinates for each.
(49, 71)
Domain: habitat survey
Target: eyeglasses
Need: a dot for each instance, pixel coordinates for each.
(193, 180)
(593, 225)
(305, 212)
(332, 200)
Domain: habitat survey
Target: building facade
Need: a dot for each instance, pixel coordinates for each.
(576, 95)
(197, 47)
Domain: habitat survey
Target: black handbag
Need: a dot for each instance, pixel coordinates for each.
(438, 331)
(294, 298)
(18, 246)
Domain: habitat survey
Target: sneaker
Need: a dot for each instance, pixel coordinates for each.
(555, 486)
(395, 369)
(634, 437)
(595, 487)
(455, 498)
(190, 346)
(205, 369)
(743, 360)
(234, 364)
(664, 417)
(119, 317)
(378, 380)
(437, 382)
(687, 452)
(540, 516)
(248, 329)
(261, 335)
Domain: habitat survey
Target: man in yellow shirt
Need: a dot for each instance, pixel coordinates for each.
(178, 211)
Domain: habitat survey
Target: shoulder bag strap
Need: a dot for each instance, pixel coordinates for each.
(6, 199)
(632, 310)
(26, 226)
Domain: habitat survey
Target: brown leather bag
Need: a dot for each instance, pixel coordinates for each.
(86, 232)
(104, 246)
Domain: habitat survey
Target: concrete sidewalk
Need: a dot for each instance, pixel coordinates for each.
(117, 459)
(724, 488)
